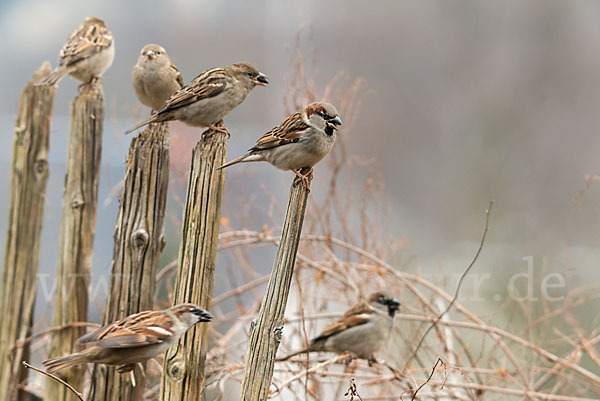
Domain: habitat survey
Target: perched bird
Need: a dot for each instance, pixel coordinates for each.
(209, 97)
(300, 141)
(361, 331)
(89, 51)
(134, 339)
(154, 77)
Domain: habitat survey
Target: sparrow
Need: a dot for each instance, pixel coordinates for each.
(361, 331)
(209, 97)
(154, 77)
(300, 141)
(134, 339)
(89, 51)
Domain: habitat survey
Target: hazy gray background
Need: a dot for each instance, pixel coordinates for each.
(467, 101)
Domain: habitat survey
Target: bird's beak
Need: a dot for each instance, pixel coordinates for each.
(261, 79)
(334, 121)
(150, 55)
(337, 120)
(203, 315)
(393, 304)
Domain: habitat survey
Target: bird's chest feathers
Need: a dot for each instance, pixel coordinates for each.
(384, 321)
(236, 92)
(151, 73)
(318, 142)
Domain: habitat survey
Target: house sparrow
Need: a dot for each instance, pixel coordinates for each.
(134, 339)
(89, 52)
(209, 97)
(361, 331)
(154, 77)
(301, 140)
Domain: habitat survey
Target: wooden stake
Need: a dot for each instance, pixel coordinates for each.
(77, 229)
(183, 371)
(28, 177)
(266, 330)
(138, 243)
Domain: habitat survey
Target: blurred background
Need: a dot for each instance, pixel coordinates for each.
(462, 103)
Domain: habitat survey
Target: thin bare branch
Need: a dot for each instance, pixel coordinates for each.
(58, 379)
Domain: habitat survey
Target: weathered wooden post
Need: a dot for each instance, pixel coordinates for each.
(138, 243)
(183, 370)
(77, 229)
(265, 331)
(28, 177)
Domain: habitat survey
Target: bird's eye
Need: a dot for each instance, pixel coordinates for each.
(250, 74)
(158, 52)
(325, 116)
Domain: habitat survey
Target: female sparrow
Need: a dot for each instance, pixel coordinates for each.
(209, 97)
(89, 51)
(361, 331)
(134, 339)
(301, 140)
(154, 77)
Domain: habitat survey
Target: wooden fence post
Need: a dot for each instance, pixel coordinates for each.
(28, 177)
(265, 331)
(183, 370)
(138, 243)
(77, 229)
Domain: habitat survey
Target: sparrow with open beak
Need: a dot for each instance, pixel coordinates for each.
(361, 331)
(134, 339)
(154, 77)
(88, 53)
(210, 96)
(300, 141)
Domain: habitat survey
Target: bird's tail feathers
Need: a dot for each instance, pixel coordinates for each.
(285, 358)
(140, 125)
(53, 77)
(248, 157)
(55, 364)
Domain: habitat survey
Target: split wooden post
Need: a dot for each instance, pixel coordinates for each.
(266, 330)
(183, 370)
(76, 242)
(28, 177)
(138, 243)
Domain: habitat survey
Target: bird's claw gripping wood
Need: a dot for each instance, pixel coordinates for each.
(214, 129)
(305, 178)
(92, 82)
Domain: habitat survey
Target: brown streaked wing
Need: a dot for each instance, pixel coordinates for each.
(100, 333)
(287, 132)
(85, 42)
(94, 335)
(132, 338)
(358, 309)
(348, 321)
(132, 330)
(208, 84)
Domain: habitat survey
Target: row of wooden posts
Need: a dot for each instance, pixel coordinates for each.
(138, 241)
